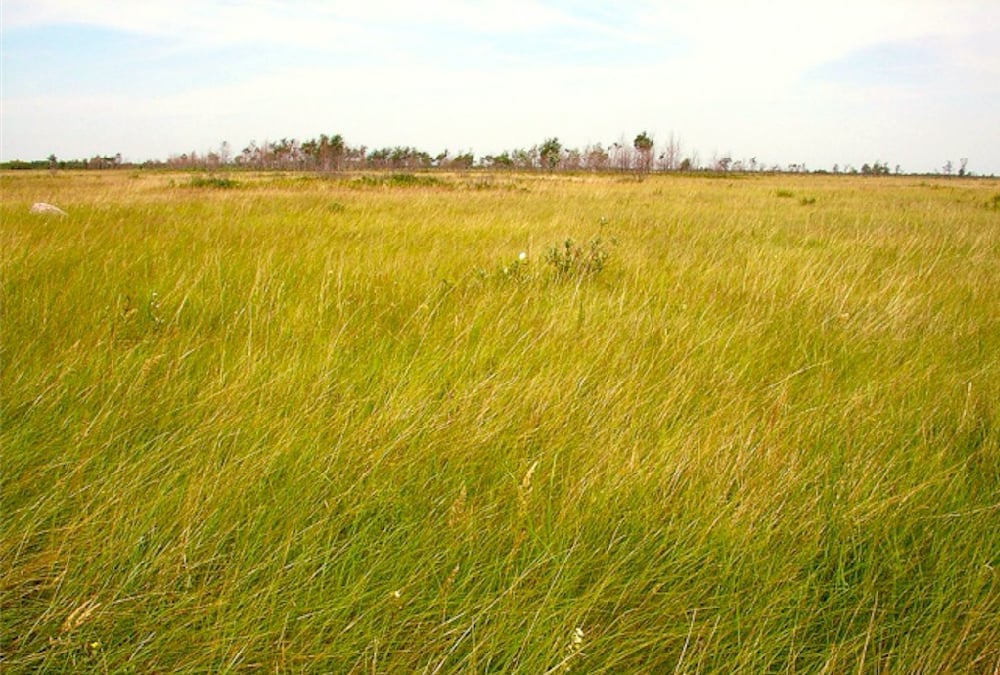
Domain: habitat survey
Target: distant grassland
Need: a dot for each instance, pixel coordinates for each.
(284, 423)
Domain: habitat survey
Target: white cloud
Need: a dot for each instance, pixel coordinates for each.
(737, 41)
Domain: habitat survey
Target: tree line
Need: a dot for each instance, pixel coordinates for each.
(331, 153)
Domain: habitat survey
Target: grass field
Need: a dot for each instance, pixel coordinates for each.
(292, 424)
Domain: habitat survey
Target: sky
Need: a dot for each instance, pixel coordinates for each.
(847, 82)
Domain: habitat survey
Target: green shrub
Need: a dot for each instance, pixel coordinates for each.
(213, 182)
(572, 260)
(397, 180)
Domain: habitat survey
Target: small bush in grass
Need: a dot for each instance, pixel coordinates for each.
(785, 194)
(573, 260)
(398, 180)
(411, 180)
(213, 182)
(518, 269)
(567, 261)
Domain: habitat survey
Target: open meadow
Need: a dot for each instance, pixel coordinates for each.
(286, 423)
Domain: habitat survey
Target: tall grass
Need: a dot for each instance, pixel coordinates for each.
(313, 425)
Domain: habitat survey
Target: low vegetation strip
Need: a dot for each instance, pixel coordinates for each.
(584, 425)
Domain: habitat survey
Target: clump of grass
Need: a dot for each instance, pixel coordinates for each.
(784, 194)
(217, 182)
(807, 201)
(490, 182)
(403, 180)
(412, 180)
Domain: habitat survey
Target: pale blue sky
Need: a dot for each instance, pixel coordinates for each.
(909, 82)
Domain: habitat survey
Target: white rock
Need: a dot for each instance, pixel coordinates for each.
(42, 207)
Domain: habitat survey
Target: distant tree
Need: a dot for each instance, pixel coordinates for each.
(550, 152)
(643, 145)
(947, 168)
(879, 168)
(621, 155)
(284, 154)
(501, 161)
(400, 157)
(595, 158)
(963, 162)
(463, 161)
(671, 155)
(248, 155)
(108, 162)
(525, 159)
(573, 160)
(379, 158)
(326, 153)
(355, 157)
